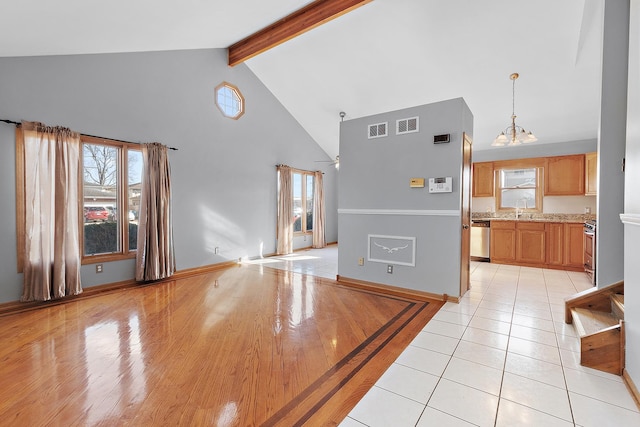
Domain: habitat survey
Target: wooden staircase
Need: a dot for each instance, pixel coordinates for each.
(598, 317)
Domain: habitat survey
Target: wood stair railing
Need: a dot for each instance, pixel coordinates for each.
(598, 317)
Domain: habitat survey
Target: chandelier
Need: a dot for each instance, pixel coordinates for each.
(513, 134)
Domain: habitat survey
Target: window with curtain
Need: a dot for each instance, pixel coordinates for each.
(303, 188)
(111, 179)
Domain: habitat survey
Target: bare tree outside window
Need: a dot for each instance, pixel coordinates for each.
(100, 164)
(112, 172)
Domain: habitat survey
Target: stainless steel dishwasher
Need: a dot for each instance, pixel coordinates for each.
(480, 234)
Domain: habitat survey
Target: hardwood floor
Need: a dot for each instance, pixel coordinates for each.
(243, 346)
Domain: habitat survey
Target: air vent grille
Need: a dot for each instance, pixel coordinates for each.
(378, 130)
(408, 125)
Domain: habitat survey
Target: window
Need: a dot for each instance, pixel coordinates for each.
(109, 199)
(229, 100)
(519, 189)
(302, 201)
(111, 177)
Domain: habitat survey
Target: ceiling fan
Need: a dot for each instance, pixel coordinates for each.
(335, 162)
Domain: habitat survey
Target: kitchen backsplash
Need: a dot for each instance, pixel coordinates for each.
(550, 204)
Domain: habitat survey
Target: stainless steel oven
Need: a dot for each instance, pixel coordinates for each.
(590, 249)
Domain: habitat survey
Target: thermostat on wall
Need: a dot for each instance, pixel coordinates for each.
(440, 185)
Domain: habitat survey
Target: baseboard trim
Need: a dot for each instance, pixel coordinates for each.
(13, 307)
(394, 290)
(632, 387)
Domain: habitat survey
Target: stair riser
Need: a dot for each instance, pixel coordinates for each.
(602, 351)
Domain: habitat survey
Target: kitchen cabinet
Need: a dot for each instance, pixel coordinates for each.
(530, 243)
(538, 244)
(564, 175)
(573, 245)
(591, 174)
(483, 179)
(503, 242)
(555, 243)
(564, 245)
(517, 242)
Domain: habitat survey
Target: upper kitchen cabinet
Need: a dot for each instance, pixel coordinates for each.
(564, 176)
(483, 179)
(591, 174)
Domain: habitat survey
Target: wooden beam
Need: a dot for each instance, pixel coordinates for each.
(299, 22)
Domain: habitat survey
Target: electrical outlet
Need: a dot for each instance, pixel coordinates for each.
(360, 261)
(216, 251)
(98, 268)
(390, 269)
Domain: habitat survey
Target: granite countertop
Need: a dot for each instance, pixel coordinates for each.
(531, 217)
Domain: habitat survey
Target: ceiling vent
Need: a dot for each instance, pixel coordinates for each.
(378, 130)
(408, 125)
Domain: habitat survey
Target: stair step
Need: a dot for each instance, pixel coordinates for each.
(588, 322)
(617, 305)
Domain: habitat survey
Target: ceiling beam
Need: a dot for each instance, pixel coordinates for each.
(300, 21)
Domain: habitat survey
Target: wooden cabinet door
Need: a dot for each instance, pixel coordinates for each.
(483, 179)
(573, 244)
(555, 243)
(591, 174)
(564, 176)
(530, 239)
(503, 241)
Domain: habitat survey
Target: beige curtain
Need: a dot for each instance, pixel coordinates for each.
(318, 212)
(155, 257)
(52, 243)
(285, 211)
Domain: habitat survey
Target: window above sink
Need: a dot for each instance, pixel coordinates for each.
(519, 189)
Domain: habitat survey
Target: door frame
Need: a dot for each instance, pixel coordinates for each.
(465, 214)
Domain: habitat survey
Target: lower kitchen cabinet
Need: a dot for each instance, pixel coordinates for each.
(502, 246)
(537, 244)
(530, 241)
(555, 243)
(565, 246)
(573, 245)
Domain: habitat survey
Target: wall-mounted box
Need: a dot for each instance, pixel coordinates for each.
(416, 183)
(440, 185)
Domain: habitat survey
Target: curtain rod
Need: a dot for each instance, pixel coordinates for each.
(12, 122)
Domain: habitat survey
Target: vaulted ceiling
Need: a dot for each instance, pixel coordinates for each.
(385, 55)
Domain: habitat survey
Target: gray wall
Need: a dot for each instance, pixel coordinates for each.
(375, 197)
(632, 203)
(224, 179)
(611, 143)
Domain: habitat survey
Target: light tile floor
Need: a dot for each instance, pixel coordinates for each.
(503, 356)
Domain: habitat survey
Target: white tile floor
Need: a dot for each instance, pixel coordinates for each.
(503, 356)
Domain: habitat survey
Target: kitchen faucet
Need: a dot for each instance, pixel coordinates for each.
(518, 210)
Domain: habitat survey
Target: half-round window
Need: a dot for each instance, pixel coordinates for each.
(229, 100)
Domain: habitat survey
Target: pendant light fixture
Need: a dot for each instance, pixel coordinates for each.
(513, 134)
